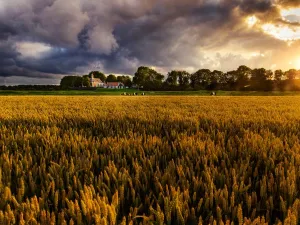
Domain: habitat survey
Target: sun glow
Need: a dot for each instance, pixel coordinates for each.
(251, 21)
(297, 64)
(287, 31)
(291, 15)
(282, 32)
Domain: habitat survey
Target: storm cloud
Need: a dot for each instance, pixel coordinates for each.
(40, 41)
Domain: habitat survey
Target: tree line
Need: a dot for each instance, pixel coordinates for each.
(241, 79)
(84, 81)
(31, 88)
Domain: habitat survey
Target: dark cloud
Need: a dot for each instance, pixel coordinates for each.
(50, 38)
(6, 31)
(258, 6)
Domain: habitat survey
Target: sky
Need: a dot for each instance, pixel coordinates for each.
(43, 40)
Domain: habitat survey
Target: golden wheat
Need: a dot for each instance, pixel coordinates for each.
(149, 160)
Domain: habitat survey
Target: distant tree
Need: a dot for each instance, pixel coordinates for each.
(172, 79)
(237, 79)
(200, 79)
(259, 75)
(148, 78)
(71, 81)
(86, 81)
(111, 78)
(243, 75)
(177, 80)
(215, 79)
(32, 87)
(269, 75)
(244, 71)
(183, 79)
(66, 81)
(279, 81)
(126, 80)
(261, 79)
(120, 78)
(78, 82)
(224, 81)
(217, 75)
(291, 74)
(230, 78)
(278, 75)
(98, 74)
(291, 82)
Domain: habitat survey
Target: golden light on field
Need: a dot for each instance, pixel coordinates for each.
(85, 159)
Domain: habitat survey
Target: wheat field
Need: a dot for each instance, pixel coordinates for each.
(149, 160)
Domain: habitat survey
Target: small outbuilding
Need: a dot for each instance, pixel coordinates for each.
(114, 85)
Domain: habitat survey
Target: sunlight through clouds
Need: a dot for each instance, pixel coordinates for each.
(32, 49)
(58, 37)
(282, 32)
(291, 15)
(285, 28)
(297, 64)
(252, 20)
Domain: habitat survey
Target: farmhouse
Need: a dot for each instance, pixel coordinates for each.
(114, 85)
(96, 82)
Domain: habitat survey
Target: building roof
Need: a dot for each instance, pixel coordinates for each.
(97, 80)
(114, 84)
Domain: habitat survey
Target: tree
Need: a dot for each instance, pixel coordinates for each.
(71, 81)
(224, 81)
(215, 79)
(259, 75)
(177, 79)
(98, 74)
(86, 81)
(172, 79)
(66, 82)
(278, 75)
(261, 79)
(120, 78)
(200, 79)
(237, 79)
(269, 75)
(243, 75)
(291, 74)
(230, 78)
(183, 79)
(291, 83)
(148, 78)
(126, 80)
(78, 81)
(278, 80)
(111, 78)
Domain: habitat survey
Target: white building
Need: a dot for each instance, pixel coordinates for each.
(114, 85)
(96, 82)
